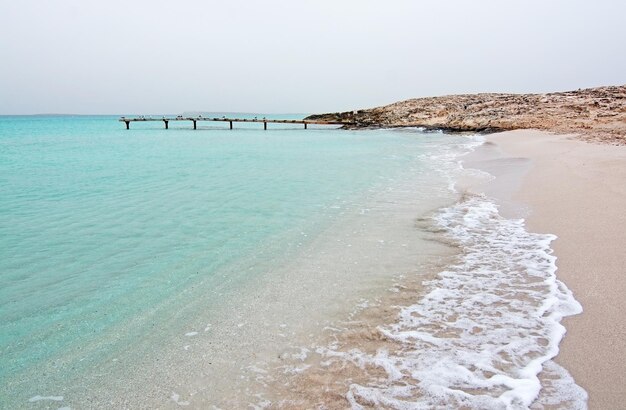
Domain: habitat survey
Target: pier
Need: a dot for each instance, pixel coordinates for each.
(195, 120)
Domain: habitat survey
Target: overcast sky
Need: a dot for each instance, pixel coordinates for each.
(153, 56)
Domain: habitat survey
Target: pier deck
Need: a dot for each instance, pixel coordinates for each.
(195, 120)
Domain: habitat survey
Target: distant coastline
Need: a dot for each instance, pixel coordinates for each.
(594, 114)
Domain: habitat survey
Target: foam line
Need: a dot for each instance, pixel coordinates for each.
(485, 330)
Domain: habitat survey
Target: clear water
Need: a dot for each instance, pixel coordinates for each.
(107, 235)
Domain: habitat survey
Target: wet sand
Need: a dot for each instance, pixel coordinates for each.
(577, 191)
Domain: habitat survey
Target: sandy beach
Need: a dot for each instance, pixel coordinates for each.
(575, 190)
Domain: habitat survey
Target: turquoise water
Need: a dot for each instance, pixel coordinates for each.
(106, 233)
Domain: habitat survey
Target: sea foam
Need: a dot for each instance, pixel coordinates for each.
(486, 328)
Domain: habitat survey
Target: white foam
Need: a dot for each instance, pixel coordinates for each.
(559, 390)
(487, 327)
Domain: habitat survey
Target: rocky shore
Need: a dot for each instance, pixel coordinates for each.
(594, 114)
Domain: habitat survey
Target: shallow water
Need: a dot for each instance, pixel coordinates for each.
(118, 241)
(478, 332)
(154, 268)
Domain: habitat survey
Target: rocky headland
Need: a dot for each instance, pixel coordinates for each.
(594, 114)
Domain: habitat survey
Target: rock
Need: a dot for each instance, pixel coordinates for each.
(562, 112)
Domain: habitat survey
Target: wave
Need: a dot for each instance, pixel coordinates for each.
(487, 327)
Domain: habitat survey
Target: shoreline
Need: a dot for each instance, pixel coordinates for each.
(574, 190)
(413, 336)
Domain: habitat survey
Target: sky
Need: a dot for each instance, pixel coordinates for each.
(279, 56)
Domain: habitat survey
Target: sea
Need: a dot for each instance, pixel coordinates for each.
(278, 268)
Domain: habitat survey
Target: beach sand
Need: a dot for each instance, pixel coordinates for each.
(577, 191)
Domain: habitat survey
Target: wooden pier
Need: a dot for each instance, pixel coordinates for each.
(195, 120)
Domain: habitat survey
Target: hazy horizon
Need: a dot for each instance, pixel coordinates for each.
(148, 57)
